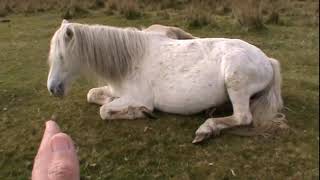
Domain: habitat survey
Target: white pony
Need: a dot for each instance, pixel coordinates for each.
(147, 71)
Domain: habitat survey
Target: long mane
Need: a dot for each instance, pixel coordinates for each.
(109, 52)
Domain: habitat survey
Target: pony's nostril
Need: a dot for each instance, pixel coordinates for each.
(60, 87)
(57, 89)
(51, 89)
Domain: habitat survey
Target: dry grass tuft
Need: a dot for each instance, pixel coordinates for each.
(163, 4)
(197, 19)
(316, 14)
(177, 4)
(163, 14)
(130, 9)
(113, 4)
(99, 3)
(127, 8)
(198, 15)
(3, 11)
(273, 18)
(74, 10)
(248, 13)
(271, 9)
(219, 7)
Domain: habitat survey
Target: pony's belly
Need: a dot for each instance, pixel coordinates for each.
(190, 99)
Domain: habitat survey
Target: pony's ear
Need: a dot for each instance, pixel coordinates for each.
(69, 33)
(64, 21)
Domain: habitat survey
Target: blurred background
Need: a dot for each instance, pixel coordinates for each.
(195, 13)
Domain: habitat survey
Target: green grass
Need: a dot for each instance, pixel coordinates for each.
(121, 149)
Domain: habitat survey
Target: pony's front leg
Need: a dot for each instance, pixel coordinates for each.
(125, 108)
(100, 95)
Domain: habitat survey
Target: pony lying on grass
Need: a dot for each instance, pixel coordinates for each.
(146, 71)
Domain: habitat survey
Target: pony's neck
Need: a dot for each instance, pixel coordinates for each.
(108, 51)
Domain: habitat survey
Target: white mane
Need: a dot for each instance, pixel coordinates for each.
(108, 51)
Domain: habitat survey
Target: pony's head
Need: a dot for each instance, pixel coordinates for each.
(63, 69)
(103, 51)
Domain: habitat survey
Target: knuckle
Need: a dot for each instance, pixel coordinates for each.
(60, 170)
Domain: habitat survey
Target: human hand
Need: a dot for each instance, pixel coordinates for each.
(56, 158)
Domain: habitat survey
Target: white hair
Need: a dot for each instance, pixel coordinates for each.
(108, 51)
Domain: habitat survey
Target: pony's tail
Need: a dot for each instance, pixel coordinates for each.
(266, 107)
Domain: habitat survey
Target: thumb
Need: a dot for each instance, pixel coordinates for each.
(64, 164)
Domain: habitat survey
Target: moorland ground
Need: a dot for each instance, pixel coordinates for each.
(123, 149)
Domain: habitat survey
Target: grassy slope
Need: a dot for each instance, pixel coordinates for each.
(121, 149)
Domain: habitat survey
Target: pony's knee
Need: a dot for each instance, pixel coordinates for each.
(99, 96)
(91, 96)
(130, 112)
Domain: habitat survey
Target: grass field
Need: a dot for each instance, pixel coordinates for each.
(122, 149)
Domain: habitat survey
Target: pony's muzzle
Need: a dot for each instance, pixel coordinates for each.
(57, 89)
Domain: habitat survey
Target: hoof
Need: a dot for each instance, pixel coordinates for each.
(200, 137)
(204, 132)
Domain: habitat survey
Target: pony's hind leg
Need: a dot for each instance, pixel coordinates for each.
(241, 116)
(243, 78)
(100, 95)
